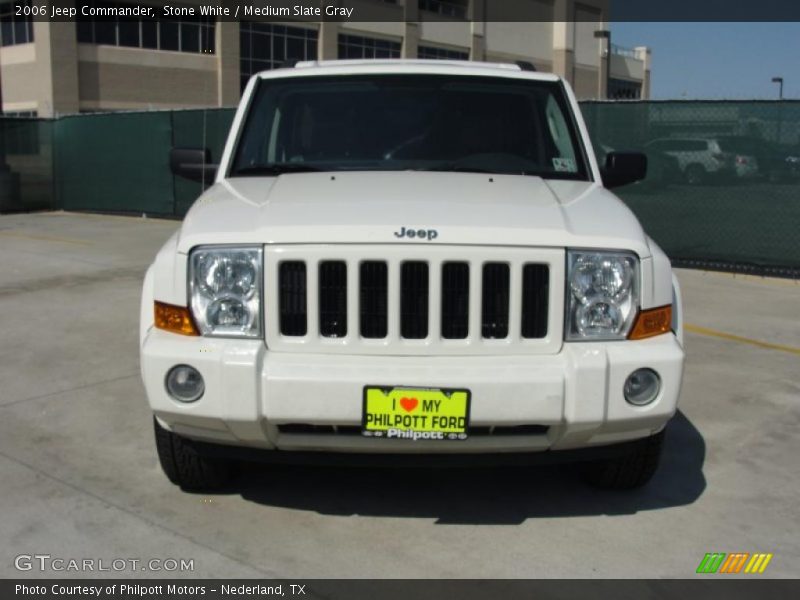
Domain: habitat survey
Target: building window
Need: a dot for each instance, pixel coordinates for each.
(356, 46)
(264, 46)
(177, 34)
(441, 53)
(20, 114)
(15, 29)
(620, 89)
(448, 8)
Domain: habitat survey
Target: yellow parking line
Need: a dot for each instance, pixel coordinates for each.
(45, 238)
(742, 340)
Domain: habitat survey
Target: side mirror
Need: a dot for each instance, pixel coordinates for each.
(622, 168)
(193, 163)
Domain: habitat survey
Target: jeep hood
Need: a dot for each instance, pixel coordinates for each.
(369, 207)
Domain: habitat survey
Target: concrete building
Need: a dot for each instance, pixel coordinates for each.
(54, 68)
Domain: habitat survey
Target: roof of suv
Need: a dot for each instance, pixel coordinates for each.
(409, 66)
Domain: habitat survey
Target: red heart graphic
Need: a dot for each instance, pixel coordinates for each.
(409, 404)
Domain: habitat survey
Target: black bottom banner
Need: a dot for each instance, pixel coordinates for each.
(396, 589)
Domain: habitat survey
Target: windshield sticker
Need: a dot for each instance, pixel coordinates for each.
(564, 164)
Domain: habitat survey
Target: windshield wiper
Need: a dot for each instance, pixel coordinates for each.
(456, 168)
(276, 169)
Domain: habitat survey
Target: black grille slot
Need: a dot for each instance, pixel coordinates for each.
(414, 300)
(292, 300)
(535, 292)
(373, 292)
(521, 430)
(307, 429)
(333, 299)
(484, 430)
(494, 308)
(455, 300)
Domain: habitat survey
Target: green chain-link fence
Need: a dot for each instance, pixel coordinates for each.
(723, 185)
(26, 164)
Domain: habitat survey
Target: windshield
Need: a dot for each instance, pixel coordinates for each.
(409, 122)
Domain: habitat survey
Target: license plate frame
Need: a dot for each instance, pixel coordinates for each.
(428, 424)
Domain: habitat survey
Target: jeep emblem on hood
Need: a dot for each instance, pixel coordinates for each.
(425, 234)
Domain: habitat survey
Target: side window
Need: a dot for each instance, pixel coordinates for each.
(686, 146)
(695, 146)
(564, 158)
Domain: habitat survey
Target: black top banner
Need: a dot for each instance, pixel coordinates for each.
(413, 10)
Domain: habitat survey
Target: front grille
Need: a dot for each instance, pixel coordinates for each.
(373, 298)
(455, 300)
(494, 321)
(469, 305)
(414, 300)
(535, 289)
(292, 287)
(333, 299)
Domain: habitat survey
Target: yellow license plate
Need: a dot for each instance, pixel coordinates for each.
(415, 413)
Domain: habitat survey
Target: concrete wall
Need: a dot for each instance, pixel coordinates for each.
(391, 31)
(527, 41)
(227, 63)
(450, 34)
(625, 67)
(115, 78)
(585, 82)
(19, 78)
(587, 47)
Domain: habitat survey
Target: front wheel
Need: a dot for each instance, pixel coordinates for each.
(695, 175)
(629, 471)
(184, 466)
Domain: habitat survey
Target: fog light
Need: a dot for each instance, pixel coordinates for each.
(642, 387)
(185, 384)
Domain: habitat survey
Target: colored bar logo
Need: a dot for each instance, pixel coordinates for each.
(720, 562)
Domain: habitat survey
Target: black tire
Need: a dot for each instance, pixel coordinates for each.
(183, 466)
(627, 472)
(695, 175)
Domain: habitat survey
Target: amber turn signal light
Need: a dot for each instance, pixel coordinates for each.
(176, 319)
(650, 322)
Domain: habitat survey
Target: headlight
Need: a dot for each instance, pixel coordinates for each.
(225, 288)
(602, 294)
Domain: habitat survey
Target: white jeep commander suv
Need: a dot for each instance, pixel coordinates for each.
(410, 261)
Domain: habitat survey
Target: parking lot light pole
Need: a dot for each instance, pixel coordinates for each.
(3, 166)
(779, 81)
(606, 35)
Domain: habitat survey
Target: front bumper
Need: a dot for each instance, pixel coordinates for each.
(575, 396)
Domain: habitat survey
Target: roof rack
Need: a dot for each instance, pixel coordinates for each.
(525, 65)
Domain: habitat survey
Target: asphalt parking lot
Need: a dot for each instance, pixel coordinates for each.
(80, 477)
